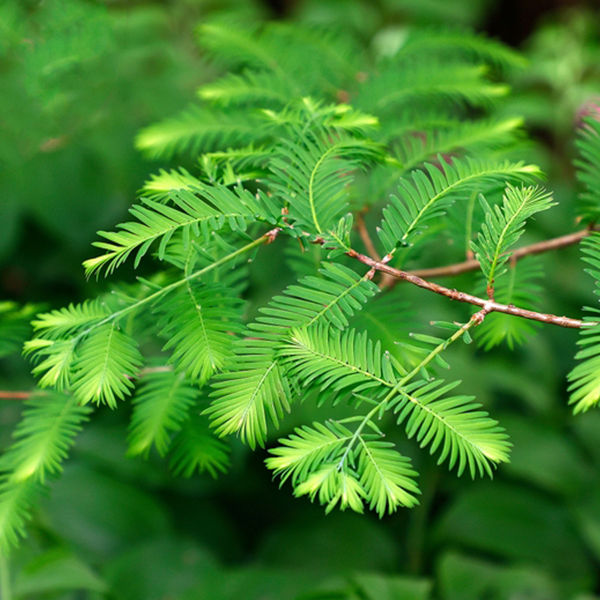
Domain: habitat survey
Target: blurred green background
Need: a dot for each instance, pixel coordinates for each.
(78, 80)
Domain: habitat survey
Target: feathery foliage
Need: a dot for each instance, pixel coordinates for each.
(585, 377)
(504, 226)
(289, 155)
(588, 168)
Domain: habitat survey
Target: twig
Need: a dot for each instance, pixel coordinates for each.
(16, 395)
(538, 248)
(487, 305)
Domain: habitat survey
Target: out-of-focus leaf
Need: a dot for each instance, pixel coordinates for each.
(55, 571)
(517, 524)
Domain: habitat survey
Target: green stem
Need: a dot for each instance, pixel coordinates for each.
(5, 592)
(380, 407)
(116, 315)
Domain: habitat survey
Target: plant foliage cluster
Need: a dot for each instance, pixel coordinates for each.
(410, 140)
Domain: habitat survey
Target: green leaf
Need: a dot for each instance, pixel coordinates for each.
(588, 169)
(160, 406)
(504, 226)
(106, 361)
(386, 476)
(200, 322)
(312, 172)
(465, 435)
(43, 437)
(195, 448)
(428, 192)
(585, 377)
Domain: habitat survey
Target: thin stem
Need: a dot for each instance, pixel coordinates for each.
(15, 395)
(267, 238)
(476, 319)
(488, 305)
(538, 248)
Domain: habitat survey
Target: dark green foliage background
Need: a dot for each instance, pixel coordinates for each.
(121, 528)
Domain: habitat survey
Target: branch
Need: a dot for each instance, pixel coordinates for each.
(17, 395)
(487, 305)
(538, 248)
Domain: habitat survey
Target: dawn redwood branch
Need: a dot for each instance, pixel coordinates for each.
(488, 305)
(16, 395)
(538, 248)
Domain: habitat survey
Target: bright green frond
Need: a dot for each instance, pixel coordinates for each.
(337, 294)
(315, 459)
(264, 89)
(386, 477)
(311, 458)
(306, 450)
(585, 377)
(464, 435)
(158, 186)
(193, 215)
(200, 322)
(588, 169)
(196, 449)
(57, 358)
(252, 387)
(473, 136)
(332, 486)
(160, 406)
(16, 501)
(69, 320)
(428, 192)
(200, 129)
(106, 362)
(504, 226)
(312, 174)
(43, 437)
(339, 361)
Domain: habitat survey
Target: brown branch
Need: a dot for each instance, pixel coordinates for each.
(538, 248)
(16, 395)
(487, 305)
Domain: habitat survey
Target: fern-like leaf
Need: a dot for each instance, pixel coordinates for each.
(42, 440)
(201, 129)
(253, 384)
(44, 435)
(504, 226)
(16, 502)
(314, 459)
(585, 376)
(312, 174)
(466, 436)
(105, 364)
(160, 406)
(195, 448)
(588, 169)
(200, 322)
(158, 187)
(428, 192)
(386, 476)
(191, 215)
(339, 361)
